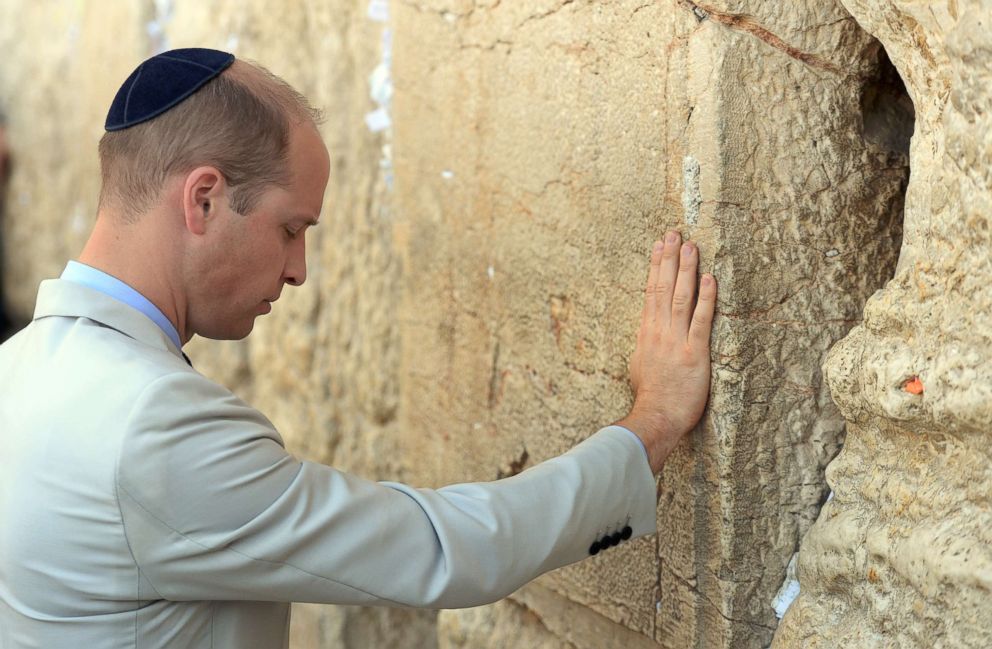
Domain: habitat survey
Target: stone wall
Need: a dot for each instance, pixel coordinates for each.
(902, 554)
(499, 170)
(539, 149)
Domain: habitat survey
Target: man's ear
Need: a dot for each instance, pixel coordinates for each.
(202, 193)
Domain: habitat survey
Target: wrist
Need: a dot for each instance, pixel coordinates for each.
(653, 433)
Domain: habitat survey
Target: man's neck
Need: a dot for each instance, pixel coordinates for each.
(120, 251)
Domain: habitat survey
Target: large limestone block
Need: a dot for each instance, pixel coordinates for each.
(534, 618)
(901, 555)
(540, 148)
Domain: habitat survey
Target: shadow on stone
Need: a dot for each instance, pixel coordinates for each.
(887, 113)
(7, 326)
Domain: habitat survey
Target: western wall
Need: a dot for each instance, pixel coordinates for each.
(499, 171)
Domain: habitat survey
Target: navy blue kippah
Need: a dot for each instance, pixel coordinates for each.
(163, 81)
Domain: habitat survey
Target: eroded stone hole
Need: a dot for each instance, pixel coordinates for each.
(888, 120)
(887, 113)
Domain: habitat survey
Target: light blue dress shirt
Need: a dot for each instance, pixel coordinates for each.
(98, 280)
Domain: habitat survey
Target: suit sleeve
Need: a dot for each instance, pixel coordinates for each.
(214, 507)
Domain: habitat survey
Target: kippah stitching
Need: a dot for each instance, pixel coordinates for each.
(167, 79)
(134, 83)
(172, 58)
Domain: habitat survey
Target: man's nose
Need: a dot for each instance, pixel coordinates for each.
(296, 264)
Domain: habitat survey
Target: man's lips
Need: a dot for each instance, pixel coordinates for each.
(266, 304)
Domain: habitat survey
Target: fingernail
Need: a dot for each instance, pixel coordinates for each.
(672, 237)
(658, 245)
(686, 250)
(707, 280)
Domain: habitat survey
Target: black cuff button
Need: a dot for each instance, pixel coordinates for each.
(615, 539)
(594, 548)
(626, 533)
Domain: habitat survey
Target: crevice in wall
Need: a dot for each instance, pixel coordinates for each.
(745, 23)
(887, 113)
(888, 120)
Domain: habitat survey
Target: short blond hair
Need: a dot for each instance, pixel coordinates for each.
(239, 122)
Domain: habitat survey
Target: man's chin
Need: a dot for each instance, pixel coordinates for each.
(230, 334)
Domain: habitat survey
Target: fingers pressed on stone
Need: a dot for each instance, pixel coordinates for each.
(702, 318)
(667, 274)
(685, 287)
(650, 296)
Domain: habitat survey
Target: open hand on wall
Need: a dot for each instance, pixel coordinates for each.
(670, 366)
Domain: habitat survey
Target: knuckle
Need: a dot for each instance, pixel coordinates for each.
(680, 301)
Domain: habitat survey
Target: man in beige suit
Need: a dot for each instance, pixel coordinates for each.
(143, 505)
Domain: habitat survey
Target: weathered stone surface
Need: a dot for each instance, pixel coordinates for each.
(534, 618)
(503, 625)
(540, 149)
(901, 555)
(62, 66)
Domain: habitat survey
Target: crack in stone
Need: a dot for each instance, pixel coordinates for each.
(744, 23)
(657, 582)
(545, 14)
(694, 588)
(495, 384)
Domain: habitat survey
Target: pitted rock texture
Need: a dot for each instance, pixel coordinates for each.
(534, 618)
(540, 148)
(902, 555)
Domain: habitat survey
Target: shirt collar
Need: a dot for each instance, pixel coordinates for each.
(98, 280)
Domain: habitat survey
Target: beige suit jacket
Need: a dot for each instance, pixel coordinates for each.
(143, 505)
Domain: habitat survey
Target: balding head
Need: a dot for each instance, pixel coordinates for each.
(205, 207)
(239, 122)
